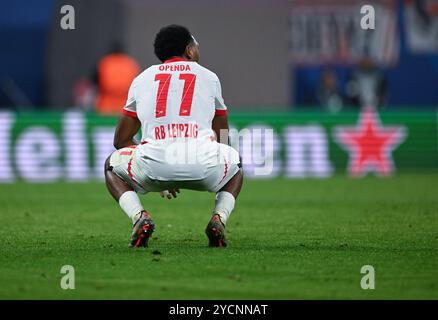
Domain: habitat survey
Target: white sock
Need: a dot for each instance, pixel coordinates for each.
(130, 203)
(224, 205)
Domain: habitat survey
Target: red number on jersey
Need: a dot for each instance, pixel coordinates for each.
(163, 90)
(187, 96)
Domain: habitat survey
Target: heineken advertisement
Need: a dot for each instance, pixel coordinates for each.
(72, 146)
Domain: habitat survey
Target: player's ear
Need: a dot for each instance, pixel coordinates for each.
(189, 52)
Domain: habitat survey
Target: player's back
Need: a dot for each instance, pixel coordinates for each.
(175, 103)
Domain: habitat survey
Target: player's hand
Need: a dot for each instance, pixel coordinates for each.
(169, 193)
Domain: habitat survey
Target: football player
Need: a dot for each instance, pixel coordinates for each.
(179, 108)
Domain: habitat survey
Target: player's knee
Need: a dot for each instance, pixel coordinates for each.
(239, 165)
(107, 166)
(240, 173)
(238, 177)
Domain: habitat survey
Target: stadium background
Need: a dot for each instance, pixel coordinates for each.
(265, 68)
(270, 57)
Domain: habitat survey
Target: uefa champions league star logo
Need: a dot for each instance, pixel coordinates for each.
(369, 144)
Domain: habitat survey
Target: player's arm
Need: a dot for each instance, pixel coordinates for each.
(220, 120)
(220, 127)
(126, 131)
(129, 124)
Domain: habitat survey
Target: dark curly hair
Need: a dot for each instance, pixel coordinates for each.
(171, 41)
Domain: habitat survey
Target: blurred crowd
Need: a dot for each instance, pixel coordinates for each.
(106, 88)
(366, 86)
(329, 62)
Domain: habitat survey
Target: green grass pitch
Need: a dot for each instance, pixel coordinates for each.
(289, 239)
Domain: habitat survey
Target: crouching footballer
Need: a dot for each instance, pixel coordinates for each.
(183, 119)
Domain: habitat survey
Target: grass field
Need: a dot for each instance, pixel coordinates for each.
(288, 239)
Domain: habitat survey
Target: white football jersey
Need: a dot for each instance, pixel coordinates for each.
(176, 99)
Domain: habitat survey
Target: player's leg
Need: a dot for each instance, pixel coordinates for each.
(122, 192)
(224, 205)
(128, 199)
(226, 197)
(227, 192)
